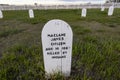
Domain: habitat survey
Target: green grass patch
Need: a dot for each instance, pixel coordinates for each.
(96, 45)
(9, 32)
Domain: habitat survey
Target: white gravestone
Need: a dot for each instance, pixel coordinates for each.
(57, 39)
(84, 12)
(110, 11)
(31, 13)
(102, 8)
(1, 15)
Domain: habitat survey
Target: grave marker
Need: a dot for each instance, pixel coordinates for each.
(31, 13)
(84, 12)
(102, 8)
(110, 11)
(1, 15)
(57, 47)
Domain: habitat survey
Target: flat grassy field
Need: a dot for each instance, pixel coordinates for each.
(96, 45)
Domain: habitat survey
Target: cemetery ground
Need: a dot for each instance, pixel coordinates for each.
(96, 45)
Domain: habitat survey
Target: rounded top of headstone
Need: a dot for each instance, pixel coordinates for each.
(56, 23)
(31, 9)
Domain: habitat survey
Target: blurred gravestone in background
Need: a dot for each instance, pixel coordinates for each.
(31, 13)
(1, 15)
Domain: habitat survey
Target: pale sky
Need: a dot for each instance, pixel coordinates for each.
(49, 1)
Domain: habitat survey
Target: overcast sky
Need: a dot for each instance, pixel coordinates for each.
(48, 1)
